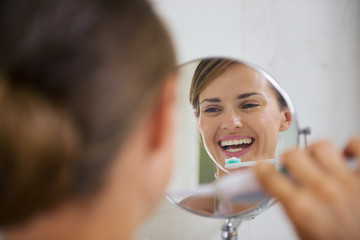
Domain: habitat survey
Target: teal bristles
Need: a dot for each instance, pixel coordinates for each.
(230, 161)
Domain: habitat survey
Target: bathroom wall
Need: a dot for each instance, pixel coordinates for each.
(312, 48)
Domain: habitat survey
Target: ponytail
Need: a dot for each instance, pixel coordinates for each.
(39, 147)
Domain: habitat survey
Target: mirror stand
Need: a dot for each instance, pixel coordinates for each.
(229, 229)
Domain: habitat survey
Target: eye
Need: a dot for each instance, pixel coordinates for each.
(249, 105)
(212, 110)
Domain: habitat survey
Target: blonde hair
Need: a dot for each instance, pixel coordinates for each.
(207, 70)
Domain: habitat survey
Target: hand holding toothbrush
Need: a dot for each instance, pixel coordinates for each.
(323, 200)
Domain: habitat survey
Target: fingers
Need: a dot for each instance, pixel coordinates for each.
(328, 156)
(274, 183)
(353, 150)
(297, 202)
(324, 190)
(330, 159)
(302, 168)
(310, 177)
(320, 168)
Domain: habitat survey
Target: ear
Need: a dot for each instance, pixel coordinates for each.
(286, 120)
(160, 127)
(162, 118)
(139, 176)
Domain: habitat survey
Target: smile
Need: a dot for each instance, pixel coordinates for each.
(236, 145)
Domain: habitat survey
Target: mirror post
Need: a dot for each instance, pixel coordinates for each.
(229, 229)
(305, 131)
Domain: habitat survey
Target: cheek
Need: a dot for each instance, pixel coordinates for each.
(207, 130)
(266, 124)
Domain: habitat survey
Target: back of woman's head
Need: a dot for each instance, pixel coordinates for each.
(75, 75)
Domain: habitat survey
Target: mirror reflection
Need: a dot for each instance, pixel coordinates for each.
(238, 111)
(242, 116)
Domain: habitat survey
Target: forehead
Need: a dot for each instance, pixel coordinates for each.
(236, 79)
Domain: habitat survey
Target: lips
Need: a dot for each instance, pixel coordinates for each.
(235, 145)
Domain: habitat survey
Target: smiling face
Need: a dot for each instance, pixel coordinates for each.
(239, 116)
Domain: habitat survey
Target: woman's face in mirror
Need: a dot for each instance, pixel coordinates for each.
(240, 115)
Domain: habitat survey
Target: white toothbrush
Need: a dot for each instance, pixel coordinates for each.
(241, 187)
(233, 163)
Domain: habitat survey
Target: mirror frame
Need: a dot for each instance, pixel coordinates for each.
(265, 203)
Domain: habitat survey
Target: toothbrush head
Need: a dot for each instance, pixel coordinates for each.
(232, 163)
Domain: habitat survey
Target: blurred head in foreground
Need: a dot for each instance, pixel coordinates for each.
(86, 92)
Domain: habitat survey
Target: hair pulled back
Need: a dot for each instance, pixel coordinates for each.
(75, 75)
(210, 68)
(207, 70)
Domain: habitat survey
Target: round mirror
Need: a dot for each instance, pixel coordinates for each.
(230, 115)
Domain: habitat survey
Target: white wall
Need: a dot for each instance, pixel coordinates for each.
(311, 47)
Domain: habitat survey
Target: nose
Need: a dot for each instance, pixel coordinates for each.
(231, 120)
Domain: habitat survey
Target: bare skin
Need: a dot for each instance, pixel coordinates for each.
(323, 199)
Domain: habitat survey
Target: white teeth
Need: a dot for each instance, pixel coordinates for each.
(236, 142)
(234, 150)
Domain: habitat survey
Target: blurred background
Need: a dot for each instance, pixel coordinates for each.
(312, 48)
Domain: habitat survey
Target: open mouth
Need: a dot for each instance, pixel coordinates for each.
(235, 146)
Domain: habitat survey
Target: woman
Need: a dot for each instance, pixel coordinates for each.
(240, 115)
(239, 112)
(86, 94)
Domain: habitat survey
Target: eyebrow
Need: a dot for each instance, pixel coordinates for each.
(212, 100)
(246, 95)
(242, 96)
